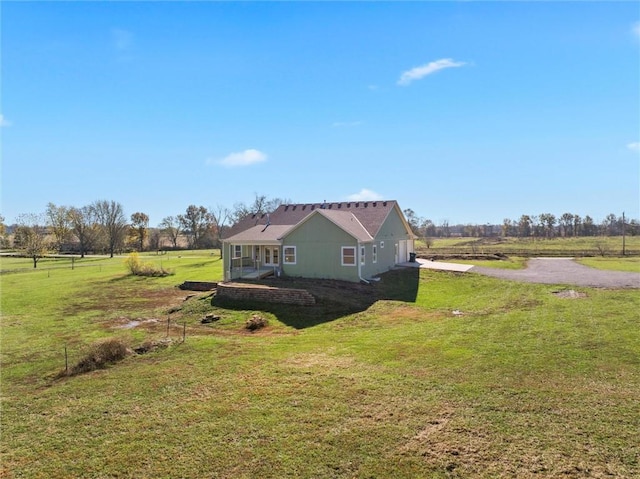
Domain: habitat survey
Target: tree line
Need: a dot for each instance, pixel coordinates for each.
(544, 225)
(102, 227)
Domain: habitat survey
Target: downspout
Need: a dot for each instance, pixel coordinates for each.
(360, 264)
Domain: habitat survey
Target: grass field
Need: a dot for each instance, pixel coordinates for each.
(580, 246)
(381, 381)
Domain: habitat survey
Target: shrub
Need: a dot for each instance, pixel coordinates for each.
(100, 354)
(139, 268)
(255, 322)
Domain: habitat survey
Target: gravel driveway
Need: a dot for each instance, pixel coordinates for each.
(564, 271)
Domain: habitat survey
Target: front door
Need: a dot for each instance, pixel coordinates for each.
(271, 256)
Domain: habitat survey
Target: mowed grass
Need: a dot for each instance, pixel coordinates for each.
(586, 245)
(615, 264)
(451, 375)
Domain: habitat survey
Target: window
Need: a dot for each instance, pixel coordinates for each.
(237, 251)
(348, 256)
(362, 251)
(374, 254)
(381, 244)
(289, 255)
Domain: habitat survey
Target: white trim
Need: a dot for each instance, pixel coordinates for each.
(355, 253)
(363, 252)
(381, 244)
(284, 255)
(374, 253)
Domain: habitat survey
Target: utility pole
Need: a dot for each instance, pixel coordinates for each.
(623, 235)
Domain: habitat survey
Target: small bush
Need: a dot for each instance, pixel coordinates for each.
(255, 322)
(100, 354)
(139, 268)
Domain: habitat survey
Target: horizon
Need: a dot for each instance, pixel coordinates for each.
(466, 112)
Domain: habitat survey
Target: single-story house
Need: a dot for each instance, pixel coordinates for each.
(350, 241)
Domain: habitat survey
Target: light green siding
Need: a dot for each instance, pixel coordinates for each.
(390, 234)
(319, 245)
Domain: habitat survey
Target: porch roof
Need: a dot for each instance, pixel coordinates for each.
(259, 234)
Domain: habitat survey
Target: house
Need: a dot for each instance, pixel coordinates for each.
(350, 241)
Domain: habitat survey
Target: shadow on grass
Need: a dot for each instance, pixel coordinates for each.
(334, 299)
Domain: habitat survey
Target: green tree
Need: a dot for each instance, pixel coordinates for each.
(139, 229)
(195, 223)
(59, 222)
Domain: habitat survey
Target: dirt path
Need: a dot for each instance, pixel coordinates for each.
(564, 271)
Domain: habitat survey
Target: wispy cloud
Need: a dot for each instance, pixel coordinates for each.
(4, 122)
(636, 29)
(241, 158)
(121, 39)
(422, 71)
(346, 124)
(634, 146)
(365, 195)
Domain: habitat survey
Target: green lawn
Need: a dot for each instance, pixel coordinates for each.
(451, 375)
(615, 264)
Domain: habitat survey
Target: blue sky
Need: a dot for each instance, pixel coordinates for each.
(461, 111)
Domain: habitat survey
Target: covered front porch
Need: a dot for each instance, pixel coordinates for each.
(253, 261)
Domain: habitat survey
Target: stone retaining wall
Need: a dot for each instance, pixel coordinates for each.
(268, 294)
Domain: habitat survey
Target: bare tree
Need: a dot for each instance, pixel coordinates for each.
(261, 204)
(524, 226)
(83, 225)
(139, 228)
(31, 236)
(172, 227)
(220, 215)
(566, 224)
(113, 223)
(547, 224)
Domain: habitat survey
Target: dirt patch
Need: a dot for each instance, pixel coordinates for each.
(569, 293)
(114, 298)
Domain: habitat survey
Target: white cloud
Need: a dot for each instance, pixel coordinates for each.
(422, 71)
(636, 29)
(342, 124)
(634, 146)
(365, 195)
(242, 158)
(4, 122)
(122, 39)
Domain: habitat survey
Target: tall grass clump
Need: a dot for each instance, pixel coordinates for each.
(101, 354)
(139, 268)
